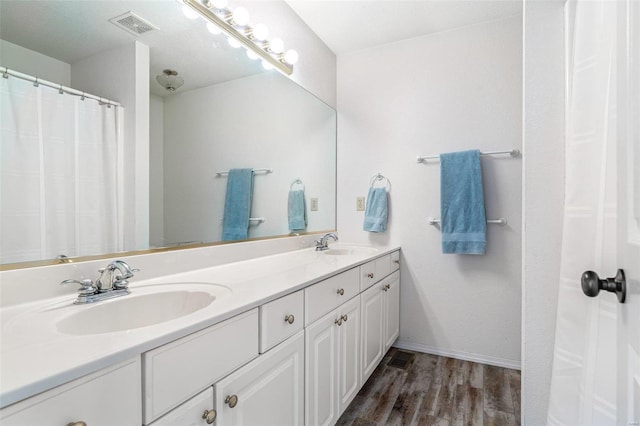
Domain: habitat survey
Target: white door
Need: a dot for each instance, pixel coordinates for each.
(321, 371)
(268, 391)
(629, 211)
(372, 329)
(391, 310)
(349, 353)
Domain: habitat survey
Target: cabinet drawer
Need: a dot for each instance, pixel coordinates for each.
(326, 295)
(178, 370)
(108, 397)
(190, 413)
(395, 260)
(280, 319)
(374, 271)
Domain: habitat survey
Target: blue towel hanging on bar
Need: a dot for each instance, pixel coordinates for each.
(463, 219)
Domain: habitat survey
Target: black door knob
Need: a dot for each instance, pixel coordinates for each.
(592, 284)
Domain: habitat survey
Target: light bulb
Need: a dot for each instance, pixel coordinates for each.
(291, 57)
(260, 32)
(189, 13)
(219, 4)
(252, 55)
(276, 45)
(213, 28)
(241, 16)
(234, 43)
(266, 65)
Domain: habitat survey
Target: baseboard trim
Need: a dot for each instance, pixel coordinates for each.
(466, 356)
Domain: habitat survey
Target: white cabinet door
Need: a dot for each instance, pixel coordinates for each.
(321, 371)
(198, 411)
(380, 321)
(108, 397)
(372, 329)
(332, 371)
(349, 372)
(268, 391)
(391, 310)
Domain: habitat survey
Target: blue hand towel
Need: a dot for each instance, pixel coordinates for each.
(376, 211)
(237, 205)
(463, 220)
(297, 210)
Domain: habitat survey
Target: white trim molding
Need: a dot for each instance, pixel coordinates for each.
(466, 356)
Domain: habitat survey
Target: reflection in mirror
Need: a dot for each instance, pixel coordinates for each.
(82, 177)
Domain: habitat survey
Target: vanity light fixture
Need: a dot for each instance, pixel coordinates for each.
(236, 25)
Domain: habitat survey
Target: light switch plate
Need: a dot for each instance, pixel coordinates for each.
(314, 204)
(360, 204)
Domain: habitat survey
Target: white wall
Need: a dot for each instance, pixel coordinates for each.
(35, 64)
(449, 91)
(263, 121)
(543, 189)
(156, 171)
(122, 74)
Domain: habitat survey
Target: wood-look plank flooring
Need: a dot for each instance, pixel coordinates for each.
(435, 390)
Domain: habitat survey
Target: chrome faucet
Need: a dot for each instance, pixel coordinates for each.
(113, 282)
(323, 243)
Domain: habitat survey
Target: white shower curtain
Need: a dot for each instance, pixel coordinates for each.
(59, 188)
(583, 383)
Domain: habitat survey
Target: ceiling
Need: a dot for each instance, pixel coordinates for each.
(350, 25)
(73, 30)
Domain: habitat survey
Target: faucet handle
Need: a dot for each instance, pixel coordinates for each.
(86, 286)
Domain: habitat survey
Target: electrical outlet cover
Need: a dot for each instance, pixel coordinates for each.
(360, 204)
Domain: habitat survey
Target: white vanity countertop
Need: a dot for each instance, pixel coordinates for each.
(35, 356)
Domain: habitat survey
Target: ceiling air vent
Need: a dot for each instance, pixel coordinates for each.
(133, 23)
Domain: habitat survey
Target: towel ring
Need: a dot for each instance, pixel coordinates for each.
(297, 182)
(377, 178)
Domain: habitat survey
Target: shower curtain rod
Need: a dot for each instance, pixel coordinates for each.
(6, 72)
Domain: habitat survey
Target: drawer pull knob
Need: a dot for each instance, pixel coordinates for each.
(370, 275)
(210, 416)
(345, 318)
(289, 318)
(80, 423)
(232, 400)
(341, 291)
(397, 262)
(386, 287)
(339, 321)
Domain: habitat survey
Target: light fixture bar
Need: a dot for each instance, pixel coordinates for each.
(233, 32)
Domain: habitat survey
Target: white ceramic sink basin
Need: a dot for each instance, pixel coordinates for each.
(144, 307)
(350, 251)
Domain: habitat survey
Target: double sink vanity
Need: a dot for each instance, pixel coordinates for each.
(283, 339)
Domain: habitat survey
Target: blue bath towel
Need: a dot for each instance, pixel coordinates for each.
(463, 220)
(297, 210)
(376, 211)
(237, 205)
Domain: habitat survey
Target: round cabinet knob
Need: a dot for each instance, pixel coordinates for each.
(338, 321)
(345, 318)
(210, 416)
(289, 318)
(80, 423)
(370, 275)
(397, 262)
(232, 400)
(341, 291)
(592, 284)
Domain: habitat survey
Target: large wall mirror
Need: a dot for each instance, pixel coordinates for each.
(92, 181)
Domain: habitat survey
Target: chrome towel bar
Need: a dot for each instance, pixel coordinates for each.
(514, 153)
(501, 221)
(226, 172)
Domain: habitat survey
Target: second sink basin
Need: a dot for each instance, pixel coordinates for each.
(145, 306)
